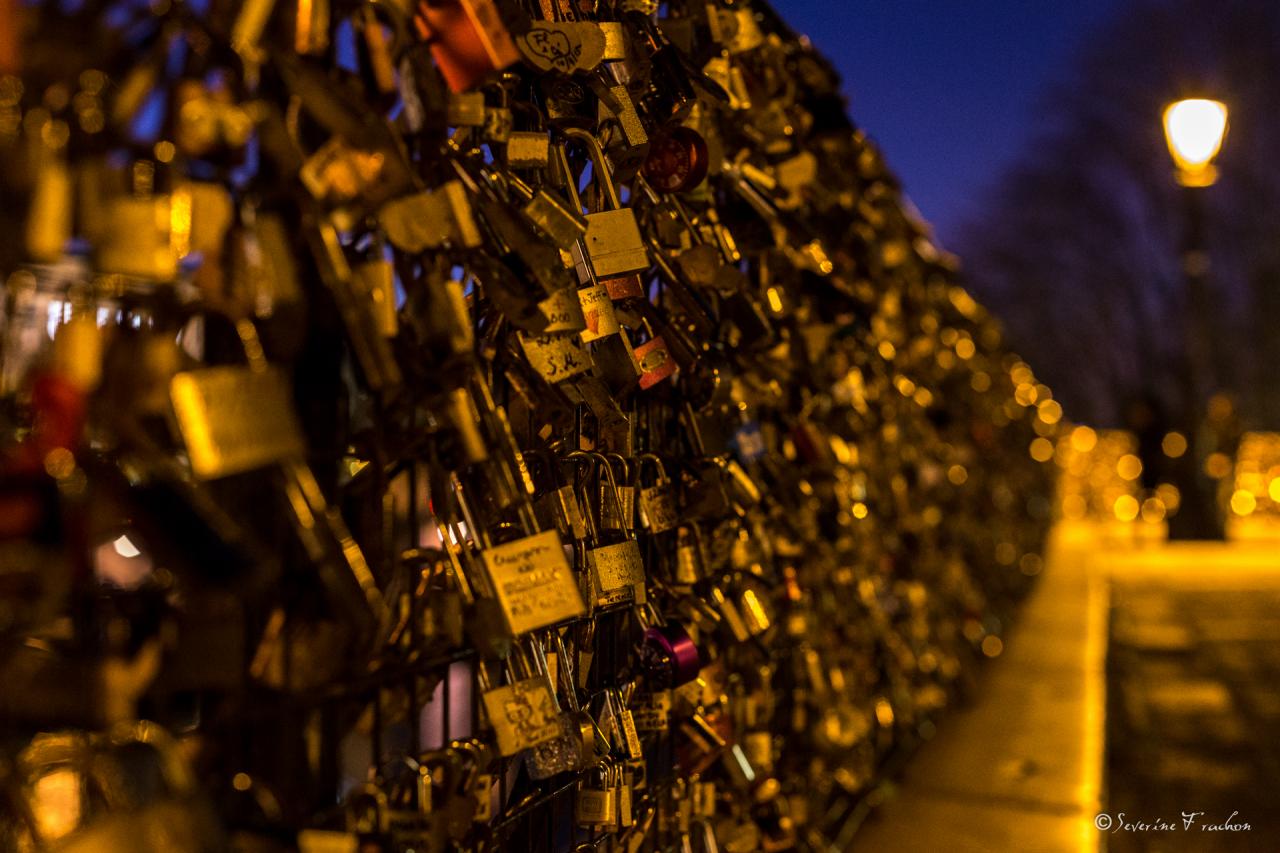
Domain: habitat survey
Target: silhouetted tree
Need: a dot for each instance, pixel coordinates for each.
(1078, 246)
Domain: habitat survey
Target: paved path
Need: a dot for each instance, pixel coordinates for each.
(1020, 769)
(1187, 702)
(1194, 713)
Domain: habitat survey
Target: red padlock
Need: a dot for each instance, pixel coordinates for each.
(468, 39)
(655, 360)
(10, 36)
(677, 160)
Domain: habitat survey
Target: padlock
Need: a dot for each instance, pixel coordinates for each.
(48, 222)
(614, 561)
(657, 503)
(668, 654)
(625, 725)
(521, 712)
(623, 132)
(371, 348)
(377, 278)
(617, 509)
(556, 501)
(656, 361)
(689, 559)
(527, 149)
(561, 222)
(563, 47)
(584, 725)
(572, 750)
(533, 582)
(466, 109)
(139, 240)
(430, 219)
(597, 313)
(677, 160)
(612, 245)
(596, 801)
(379, 52)
(468, 39)
(311, 28)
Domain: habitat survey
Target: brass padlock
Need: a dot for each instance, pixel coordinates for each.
(617, 503)
(533, 582)
(430, 219)
(596, 802)
(563, 223)
(689, 560)
(557, 505)
(527, 149)
(613, 245)
(565, 47)
(657, 501)
(522, 713)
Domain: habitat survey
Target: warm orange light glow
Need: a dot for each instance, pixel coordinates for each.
(1083, 439)
(1243, 502)
(1218, 465)
(775, 300)
(1194, 130)
(1126, 508)
(1050, 411)
(1153, 510)
(1042, 450)
(1129, 467)
(1174, 444)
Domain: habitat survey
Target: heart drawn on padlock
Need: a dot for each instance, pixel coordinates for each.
(554, 47)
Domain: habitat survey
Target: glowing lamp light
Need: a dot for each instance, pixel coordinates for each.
(1194, 129)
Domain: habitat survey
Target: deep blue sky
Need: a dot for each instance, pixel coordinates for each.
(948, 88)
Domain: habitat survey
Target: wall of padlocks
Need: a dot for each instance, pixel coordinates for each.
(528, 426)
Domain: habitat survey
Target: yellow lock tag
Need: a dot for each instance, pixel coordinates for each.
(533, 582)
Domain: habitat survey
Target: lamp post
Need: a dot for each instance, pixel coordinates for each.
(1194, 130)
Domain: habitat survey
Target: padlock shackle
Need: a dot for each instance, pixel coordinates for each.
(478, 532)
(540, 669)
(579, 458)
(654, 461)
(567, 672)
(600, 172)
(603, 465)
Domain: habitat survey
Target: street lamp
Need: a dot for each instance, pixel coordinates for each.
(1194, 130)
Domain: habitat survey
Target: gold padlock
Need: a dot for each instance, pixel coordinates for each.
(528, 149)
(140, 239)
(522, 713)
(613, 245)
(533, 582)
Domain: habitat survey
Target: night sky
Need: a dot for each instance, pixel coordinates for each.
(949, 88)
